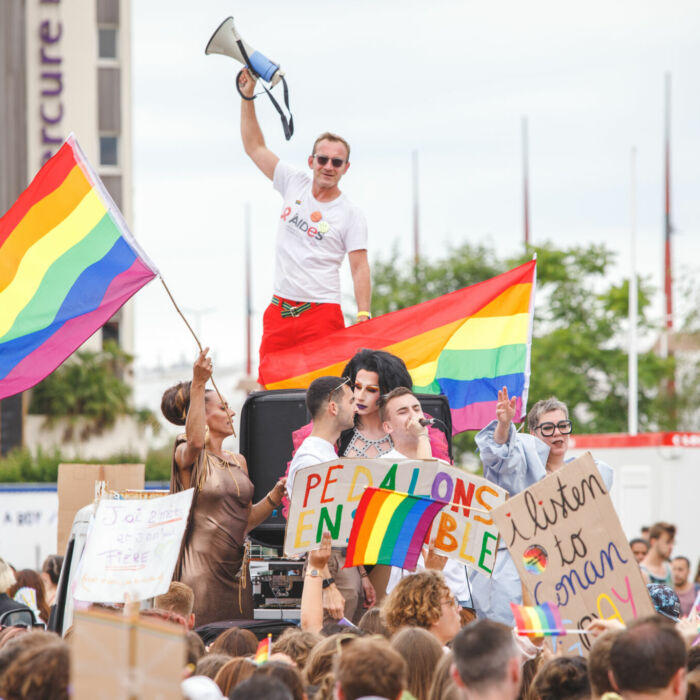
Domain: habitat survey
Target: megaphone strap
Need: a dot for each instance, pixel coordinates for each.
(287, 124)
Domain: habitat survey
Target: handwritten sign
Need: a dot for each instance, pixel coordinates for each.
(132, 548)
(568, 545)
(325, 498)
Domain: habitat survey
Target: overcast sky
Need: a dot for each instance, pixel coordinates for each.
(449, 79)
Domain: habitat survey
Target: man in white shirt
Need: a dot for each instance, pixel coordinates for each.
(401, 413)
(330, 403)
(317, 227)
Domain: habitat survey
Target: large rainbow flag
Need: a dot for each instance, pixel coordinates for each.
(467, 345)
(68, 262)
(389, 527)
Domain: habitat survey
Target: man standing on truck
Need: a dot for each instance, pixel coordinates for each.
(317, 227)
(329, 400)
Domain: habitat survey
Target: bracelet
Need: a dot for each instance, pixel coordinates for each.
(271, 502)
(364, 314)
(364, 574)
(328, 581)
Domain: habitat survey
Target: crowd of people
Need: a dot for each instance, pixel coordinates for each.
(426, 634)
(415, 646)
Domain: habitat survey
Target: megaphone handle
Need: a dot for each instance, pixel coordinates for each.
(238, 87)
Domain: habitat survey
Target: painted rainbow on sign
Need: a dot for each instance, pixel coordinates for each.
(535, 559)
(68, 262)
(389, 528)
(538, 620)
(467, 345)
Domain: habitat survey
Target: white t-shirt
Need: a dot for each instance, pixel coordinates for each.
(393, 453)
(312, 239)
(313, 450)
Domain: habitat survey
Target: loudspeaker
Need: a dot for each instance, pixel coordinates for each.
(228, 42)
(268, 419)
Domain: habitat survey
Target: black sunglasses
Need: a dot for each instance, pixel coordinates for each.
(323, 160)
(547, 429)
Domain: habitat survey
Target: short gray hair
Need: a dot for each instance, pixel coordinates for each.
(544, 406)
(7, 577)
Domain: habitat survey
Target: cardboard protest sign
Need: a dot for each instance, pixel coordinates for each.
(124, 658)
(569, 548)
(76, 488)
(325, 497)
(132, 548)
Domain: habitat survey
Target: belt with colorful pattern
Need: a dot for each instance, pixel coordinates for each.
(291, 311)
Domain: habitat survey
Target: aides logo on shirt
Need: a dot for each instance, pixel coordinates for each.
(302, 225)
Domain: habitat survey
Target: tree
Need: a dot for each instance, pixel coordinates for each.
(89, 385)
(579, 337)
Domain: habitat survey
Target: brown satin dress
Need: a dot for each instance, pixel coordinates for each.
(213, 546)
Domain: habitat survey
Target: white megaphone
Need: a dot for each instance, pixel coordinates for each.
(228, 42)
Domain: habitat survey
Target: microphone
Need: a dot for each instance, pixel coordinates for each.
(426, 421)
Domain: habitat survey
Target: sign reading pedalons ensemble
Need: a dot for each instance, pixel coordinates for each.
(569, 548)
(325, 497)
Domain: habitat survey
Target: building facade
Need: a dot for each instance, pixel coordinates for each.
(65, 66)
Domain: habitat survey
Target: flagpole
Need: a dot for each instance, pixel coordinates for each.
(416, 212)
(199, 345)
(526, 188)
(248, 284)
(632, 370)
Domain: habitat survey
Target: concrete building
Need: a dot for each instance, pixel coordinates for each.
(65, 66)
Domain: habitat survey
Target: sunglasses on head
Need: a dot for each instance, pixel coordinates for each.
(332, 391)
(323, 160)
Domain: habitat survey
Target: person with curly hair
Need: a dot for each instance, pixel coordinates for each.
(211, 560)
(296, 644)
(423, 600)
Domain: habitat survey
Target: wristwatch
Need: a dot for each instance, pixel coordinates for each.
(327, 582)
(314, 573)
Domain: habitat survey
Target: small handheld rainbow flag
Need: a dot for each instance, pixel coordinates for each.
(538, 620)
(389, 528)
(263, 651)
(68, 262)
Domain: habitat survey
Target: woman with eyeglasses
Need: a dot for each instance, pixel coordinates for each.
(516, 461)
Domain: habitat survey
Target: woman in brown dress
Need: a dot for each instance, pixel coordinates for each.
(213, 549)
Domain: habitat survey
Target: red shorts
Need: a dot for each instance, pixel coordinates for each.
(283, 332)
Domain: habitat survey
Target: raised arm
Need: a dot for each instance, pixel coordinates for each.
(505, 412)
(251, 134)
(359, 268)
(195, 423)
